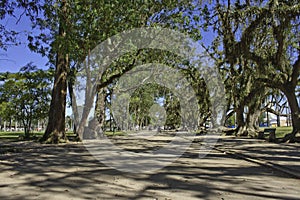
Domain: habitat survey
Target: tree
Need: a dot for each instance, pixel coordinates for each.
(148, 95)
(87, 23)
(55, 131)
(265, 34)
(140, 103)
(26, 95)
(244, 96)
(195, 75)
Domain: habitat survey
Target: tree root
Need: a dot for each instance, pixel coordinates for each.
(55, 138)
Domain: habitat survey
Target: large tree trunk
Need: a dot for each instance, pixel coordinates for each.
(252, 121)
(295, 113)
(248, 127)
(240, 122)
(55, 131)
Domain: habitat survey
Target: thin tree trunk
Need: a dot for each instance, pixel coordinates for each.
(100, 108)
(26, 136)
(90, 93)
(73, 105)
(9, 125)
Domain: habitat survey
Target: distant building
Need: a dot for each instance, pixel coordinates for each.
(284, 121)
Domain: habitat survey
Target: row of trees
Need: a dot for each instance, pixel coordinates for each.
(255, 44)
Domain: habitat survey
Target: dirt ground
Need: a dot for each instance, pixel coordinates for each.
(31, 170)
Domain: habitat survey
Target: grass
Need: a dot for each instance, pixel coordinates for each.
(118, 133)
(20, 134)
(11, 133)
(280, 131)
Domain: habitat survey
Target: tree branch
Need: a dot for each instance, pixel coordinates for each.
(296, 71)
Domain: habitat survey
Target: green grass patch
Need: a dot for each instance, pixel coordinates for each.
(280, 131)
(11, 133)
(116, 133)
(22, 134)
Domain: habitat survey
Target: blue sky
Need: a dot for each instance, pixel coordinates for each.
(18, 56)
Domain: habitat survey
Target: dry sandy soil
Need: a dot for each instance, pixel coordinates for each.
(68, 171)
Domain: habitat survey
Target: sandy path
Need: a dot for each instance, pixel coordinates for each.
(68, 171)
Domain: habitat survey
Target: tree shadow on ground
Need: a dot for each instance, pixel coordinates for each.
(69, 171)
(286, 155)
